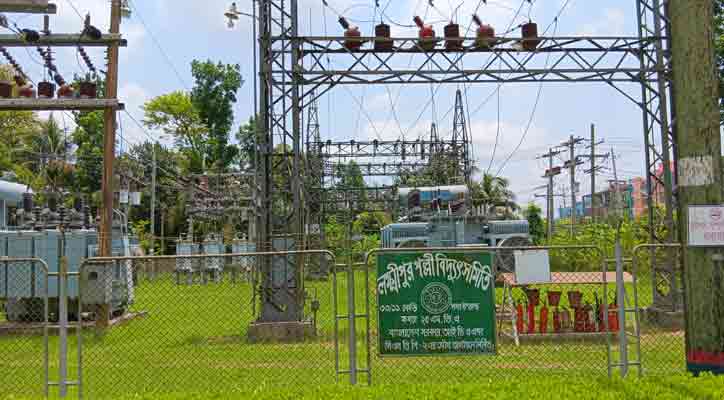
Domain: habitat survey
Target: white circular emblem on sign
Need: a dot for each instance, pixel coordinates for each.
(436, 298)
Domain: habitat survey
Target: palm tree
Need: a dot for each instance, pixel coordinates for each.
(491, 192)
(47, 153)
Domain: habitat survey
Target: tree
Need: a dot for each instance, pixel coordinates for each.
(176, 115)
(48, 153)
(535, 222)
(88, 139)
(246, 136)
(15, 127)
(492, 192)
(719, 40)
(213, 96)
(350, 180)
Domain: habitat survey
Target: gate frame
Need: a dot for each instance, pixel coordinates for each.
(495, 250)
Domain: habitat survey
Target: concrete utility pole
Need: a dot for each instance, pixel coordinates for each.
(550, 174)
(594, 169)
(593, 173)
(616, 198)
(153, 201)
(695, 92)
(109, 141)
(572, 163)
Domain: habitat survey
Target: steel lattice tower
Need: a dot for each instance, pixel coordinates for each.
(298, 69)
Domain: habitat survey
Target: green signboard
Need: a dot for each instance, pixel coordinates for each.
(436, 303)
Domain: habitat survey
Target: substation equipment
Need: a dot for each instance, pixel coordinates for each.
(442, 217)
(49, 233)
(215, 199)
(297, 69)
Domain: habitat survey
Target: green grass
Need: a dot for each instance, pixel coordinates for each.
(194, 340)
(661, 388)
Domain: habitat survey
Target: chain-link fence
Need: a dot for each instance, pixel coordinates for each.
(567, 326)
(197, 323)
(23, 316)
(201, 323)
(661, 304)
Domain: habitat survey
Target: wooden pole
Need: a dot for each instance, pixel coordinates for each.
(695, 92)
(109, 140)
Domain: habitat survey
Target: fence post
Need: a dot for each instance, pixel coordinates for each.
(351, 310)
(63, 326)
(621, 304)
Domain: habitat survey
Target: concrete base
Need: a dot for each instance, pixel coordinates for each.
(663, 319)
(280, 332)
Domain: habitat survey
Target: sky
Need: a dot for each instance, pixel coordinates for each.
(164, 36)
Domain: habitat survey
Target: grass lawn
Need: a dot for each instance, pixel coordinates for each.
(660, 388)
(193, 340)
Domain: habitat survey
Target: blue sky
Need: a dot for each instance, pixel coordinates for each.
(191, 29)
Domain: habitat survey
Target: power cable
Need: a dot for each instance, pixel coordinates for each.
(158, 45)
(532, 115)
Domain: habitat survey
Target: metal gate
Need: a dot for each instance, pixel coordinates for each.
(579, 269)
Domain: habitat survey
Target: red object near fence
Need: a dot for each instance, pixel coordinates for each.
(543, 323)
(519, 323)
(531, 319)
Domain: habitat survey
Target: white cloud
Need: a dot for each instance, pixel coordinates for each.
(612, 23)
(133, 96)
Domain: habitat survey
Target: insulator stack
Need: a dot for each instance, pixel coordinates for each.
(452, 37)
(383, 38)
(86, 59)
(351, 34)
(485, 35)
(427, 34)
(530, 36)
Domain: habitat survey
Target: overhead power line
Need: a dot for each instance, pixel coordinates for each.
(158, 46)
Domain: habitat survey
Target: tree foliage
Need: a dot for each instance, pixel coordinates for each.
(719, 42)
(176, 115)
(535, 222)
(213, 96)
(493, 193)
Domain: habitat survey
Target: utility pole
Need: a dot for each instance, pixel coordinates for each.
(592, 158)
(550, 174)
(109, 141)
(593, 173)
(695, 91)
(572, 163)
(616, 199)
(153, 201)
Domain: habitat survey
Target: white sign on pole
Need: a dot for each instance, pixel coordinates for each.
(706, 226)
(123, 197)
(532, 266)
